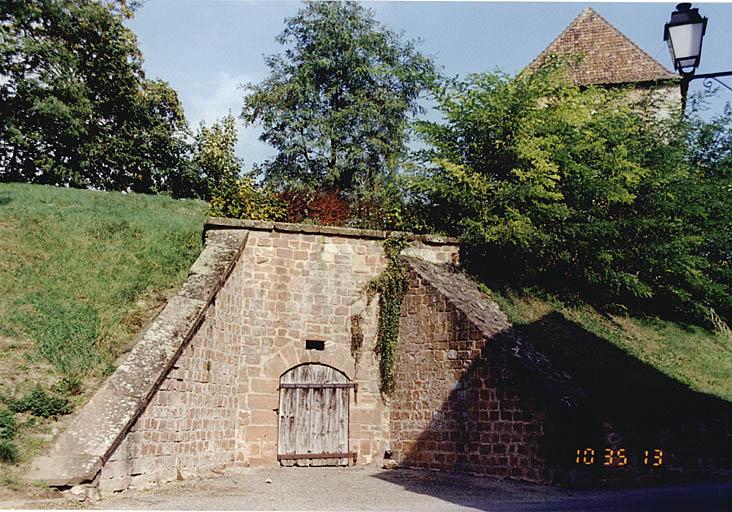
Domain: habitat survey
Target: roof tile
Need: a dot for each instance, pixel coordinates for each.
(608, 56)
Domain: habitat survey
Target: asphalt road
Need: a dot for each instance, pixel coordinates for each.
(407, 490)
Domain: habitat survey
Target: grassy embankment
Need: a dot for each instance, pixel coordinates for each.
(620, 354)
(80, 273)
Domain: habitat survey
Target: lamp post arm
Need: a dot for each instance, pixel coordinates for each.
(708, 83)
(707, 77)
(710, 75)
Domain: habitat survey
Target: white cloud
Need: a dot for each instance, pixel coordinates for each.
(217, 97)
(220, 96)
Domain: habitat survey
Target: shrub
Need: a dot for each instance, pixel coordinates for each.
(8, 451)
(68, 386)
(240, 199)
(7, 424)
(296, 204)
(40, 403)
(329, 208)
(576, 191)
(323, 207)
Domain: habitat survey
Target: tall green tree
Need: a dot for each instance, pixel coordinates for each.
(217, 176)
(575, 190)
(214, 156)
(709, 196)
(337, 103)
(75, 106)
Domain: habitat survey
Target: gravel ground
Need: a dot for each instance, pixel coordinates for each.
(408, 490)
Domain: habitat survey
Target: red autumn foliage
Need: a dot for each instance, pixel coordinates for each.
(296, 202)
(326, 208)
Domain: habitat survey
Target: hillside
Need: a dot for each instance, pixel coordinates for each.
(81, 272)
(612, 352)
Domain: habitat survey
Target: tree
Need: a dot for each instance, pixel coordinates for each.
(75, 105)
(574, 190)
(217, 173)
(709, 196)
(338, 100)
(214, 156)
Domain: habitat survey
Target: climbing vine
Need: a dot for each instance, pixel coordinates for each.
(391, 285)
(356, 337)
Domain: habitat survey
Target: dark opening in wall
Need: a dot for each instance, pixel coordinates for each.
(314, 345)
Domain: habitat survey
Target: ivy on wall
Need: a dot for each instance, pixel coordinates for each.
(391, 285)
(356, 337)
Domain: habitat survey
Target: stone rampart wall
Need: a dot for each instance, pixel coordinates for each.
(218, 405)
(457, 404)
(190, 424)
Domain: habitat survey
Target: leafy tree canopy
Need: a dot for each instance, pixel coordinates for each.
(575, 190)
(214, 155)
(75, 105)
(218, 172)
(338, 99)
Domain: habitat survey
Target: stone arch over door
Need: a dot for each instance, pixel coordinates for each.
(313, 414)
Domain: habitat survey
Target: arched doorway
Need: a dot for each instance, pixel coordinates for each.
(313, 417)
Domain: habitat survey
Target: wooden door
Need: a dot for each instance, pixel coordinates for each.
(313, 412)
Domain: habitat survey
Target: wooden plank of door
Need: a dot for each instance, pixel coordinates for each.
(318, 418)
(284, 413)
(288, 417)
(340, 414)
(303, 433)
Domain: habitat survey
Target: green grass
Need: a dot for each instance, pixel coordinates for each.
(77, 266)
(81, 272)
(689, 355)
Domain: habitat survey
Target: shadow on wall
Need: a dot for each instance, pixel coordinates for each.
(505, 419)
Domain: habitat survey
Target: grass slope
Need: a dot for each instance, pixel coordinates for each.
(80, 273)
(639, 351)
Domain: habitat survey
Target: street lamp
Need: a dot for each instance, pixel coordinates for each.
(684, 33)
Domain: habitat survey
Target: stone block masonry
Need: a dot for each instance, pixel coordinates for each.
(462, 400)
(266, 298)
(218, 405)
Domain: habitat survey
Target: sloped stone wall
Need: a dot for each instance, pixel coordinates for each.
(190, 424)
(95, 433)
(460, 402)
(218, 405)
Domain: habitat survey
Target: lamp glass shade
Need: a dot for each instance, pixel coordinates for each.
(685, 45)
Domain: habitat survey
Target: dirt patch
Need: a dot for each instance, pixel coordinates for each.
(21, 368)
(14, 489)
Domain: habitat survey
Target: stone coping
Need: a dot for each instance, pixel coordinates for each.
(102, 423)
(215, 223)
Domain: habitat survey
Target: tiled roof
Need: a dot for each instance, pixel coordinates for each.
(608, 56)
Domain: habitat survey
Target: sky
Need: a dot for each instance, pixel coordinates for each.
(206, 48)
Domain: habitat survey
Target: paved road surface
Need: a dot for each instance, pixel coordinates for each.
(407, 490)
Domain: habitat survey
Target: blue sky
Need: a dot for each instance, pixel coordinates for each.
(206, 48)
